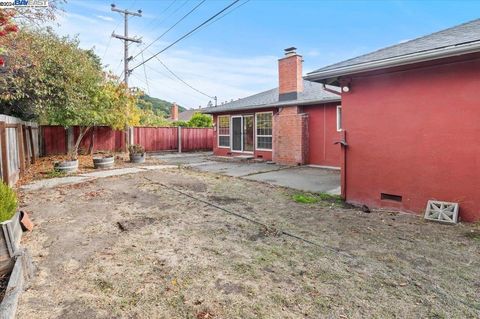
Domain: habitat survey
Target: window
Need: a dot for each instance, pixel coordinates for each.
(339, 118)
(224, 131)
(263, 124)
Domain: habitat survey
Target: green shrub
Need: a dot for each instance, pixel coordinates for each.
(8, 202)
(304, 198)
(307, 198)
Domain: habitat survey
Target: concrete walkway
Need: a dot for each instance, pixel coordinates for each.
(81, 178)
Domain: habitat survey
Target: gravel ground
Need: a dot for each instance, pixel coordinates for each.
(185, 244)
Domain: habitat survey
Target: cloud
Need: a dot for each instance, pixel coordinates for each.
(213, 72)
(313, 53)
(105, 18)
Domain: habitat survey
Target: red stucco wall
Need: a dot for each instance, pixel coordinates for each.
(322, 133)
(416, 134)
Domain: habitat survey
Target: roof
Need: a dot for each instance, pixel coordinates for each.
(187, 115)
(461, 39)
(312, 93)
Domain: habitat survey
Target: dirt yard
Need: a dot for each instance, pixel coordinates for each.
(149, 246)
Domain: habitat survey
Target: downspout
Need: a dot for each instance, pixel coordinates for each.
(344, 146)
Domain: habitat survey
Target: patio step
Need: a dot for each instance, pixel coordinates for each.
(236, 158)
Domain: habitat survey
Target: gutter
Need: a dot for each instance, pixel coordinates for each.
(395, 61)
(218, 109)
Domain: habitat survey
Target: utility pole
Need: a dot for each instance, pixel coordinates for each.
(126, 39)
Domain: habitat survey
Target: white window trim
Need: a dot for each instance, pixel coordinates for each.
(339, 118)
(218, 131)
(256, 136)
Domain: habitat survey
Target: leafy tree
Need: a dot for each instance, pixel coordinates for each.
(159, 106)
(200, 120)
(180, 123)
(45, 70)
(110, 104)
(51, 79)
(149, 118)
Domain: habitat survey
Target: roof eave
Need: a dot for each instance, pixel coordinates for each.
(322, 76)
(277, 104)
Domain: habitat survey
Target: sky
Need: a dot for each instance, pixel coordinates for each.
(237, 55)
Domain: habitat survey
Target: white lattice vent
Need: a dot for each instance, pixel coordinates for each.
(444, 212)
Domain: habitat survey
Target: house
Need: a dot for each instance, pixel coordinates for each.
(295, 123)
(187, 115)
(411, 120)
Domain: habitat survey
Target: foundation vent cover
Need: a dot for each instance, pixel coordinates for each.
(444, 212)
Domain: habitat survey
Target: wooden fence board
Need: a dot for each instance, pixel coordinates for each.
(16, 151)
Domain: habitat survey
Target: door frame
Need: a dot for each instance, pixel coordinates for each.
(241, 133)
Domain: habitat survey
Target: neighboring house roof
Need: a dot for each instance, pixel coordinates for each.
(312, 93)
(461, 39)
(187, 115)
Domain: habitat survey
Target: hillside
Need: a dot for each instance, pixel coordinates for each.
(160, 106)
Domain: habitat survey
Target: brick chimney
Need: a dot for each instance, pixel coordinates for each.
(174, 112)
(290, 81)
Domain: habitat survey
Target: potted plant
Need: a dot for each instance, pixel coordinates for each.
(10, 221)
(137, 153)
(103, 160)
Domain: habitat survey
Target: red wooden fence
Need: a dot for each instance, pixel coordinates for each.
(53, 140)
(197, 139)
(156, 138)
(153, 139)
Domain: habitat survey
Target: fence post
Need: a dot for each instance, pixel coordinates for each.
(21, 149)
(25, 146)
(131, 135)
(3, 141)
(32, 144)
(179, 139)
(70, 131)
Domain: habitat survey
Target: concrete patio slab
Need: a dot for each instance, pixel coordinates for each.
(303, 178)
(236, 169)
(310, 179)
(113, 172)
(182, 158)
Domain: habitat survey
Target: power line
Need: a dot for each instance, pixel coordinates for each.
(173, 26)
(159, 15)
(226, 13)
(145, 72)
(165, 19)
(181, 80)
(170, 77)
(188, 33)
